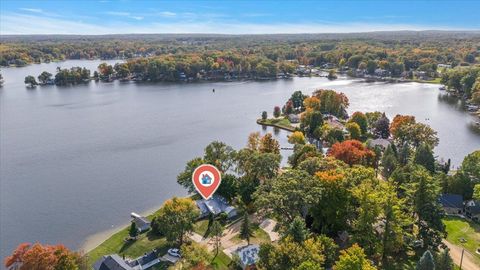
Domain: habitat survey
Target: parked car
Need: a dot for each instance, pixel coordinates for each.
(174, 252)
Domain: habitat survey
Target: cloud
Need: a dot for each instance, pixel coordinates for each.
(167, 14)
(34, 10)
(16, 23)
(124, 14)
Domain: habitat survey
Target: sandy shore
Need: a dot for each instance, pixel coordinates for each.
(93, 241)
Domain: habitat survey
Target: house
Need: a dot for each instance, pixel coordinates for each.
(111, 262)
(451, 203)
(248, 255)
(444, 66)
(115, 262)
(293, 118)
(360, 73)
(215, 206)
(142, 223)
(472, 209)
(144, 262)
(383, 143)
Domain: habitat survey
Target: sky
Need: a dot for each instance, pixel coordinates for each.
(96, 17)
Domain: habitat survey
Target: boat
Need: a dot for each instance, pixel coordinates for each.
(442, 88)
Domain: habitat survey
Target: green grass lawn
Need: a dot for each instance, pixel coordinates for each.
(279, 122)
(458, 228)
(115, 244)
(201, 227)
(221, 261)
(259, 236)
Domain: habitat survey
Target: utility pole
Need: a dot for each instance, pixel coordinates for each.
(461, 258)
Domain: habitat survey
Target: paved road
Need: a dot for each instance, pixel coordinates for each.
(456, 253)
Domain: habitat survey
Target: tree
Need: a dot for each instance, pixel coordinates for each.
(424, 157)
(44, 77)
(443, 261)
(133, 232)
(471, 167)
(361, 120)
(354, 130)
(220, 155)
(122, 70)
(332, 208)
(398, 122)
(352, 152)
(246, 228)
(296, 137)
(332, 102)
(43, 257)
(353, 258)
(426, 262)
(297, 230)
(176, 217)
(185, 177)
(30, 80)
(288, 195)
(264, 115)
(382, 127)
(195, 255)
(216, 231)
(105, 70)
(297, 100)
(301, 152)
(389, 162)
(312, 103)
(229, 187)
(310, 121)
(276, 111)
(476, 192)
(288, 254)
(269, 145)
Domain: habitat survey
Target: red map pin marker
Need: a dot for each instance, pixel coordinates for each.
(206, 178)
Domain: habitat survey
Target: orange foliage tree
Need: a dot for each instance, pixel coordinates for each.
(42, 257)
(400, 121)
(352, 152)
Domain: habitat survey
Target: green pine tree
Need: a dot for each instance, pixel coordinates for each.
(424, 157)
(426, 262)
(133, 232)
(246, 229)
(443, 261)
(297, 230)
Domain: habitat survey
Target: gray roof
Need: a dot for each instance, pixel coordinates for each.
(111, 262)
(380, 142)
(215, 205)
(248, 254)
(142, 223)
(451, 200)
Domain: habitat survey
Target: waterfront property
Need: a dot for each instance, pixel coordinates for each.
(142, 223)
(451, 203)
(115, 262)
(472, 209)
(215, 206)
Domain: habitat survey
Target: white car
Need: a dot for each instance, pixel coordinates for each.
(174, 252)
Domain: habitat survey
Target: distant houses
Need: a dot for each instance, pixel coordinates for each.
(215, 206)
(248, 256)
(380, 142)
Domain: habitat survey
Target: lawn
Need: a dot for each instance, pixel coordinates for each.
(458, 228)
(280, 122)
(221, 261)
(259, 236)
(201, 227)
(133, 249)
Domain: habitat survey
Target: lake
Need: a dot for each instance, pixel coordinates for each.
(78, 160)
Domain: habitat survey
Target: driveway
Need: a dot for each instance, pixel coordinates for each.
(456, 253)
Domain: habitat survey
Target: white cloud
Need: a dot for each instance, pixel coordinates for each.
(34, 24)
(34, 10)
(167, 14)
(124, 14)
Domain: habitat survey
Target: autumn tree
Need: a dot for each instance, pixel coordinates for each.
(353, 258)
(276, 111)
(296, 137)
(269, 145)
(354, 130)
(310, 121)
(352, 152)
(312, 103)
(361, 120)
(332, 102)
(175, 219)
(43, 257)
(195, 255)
